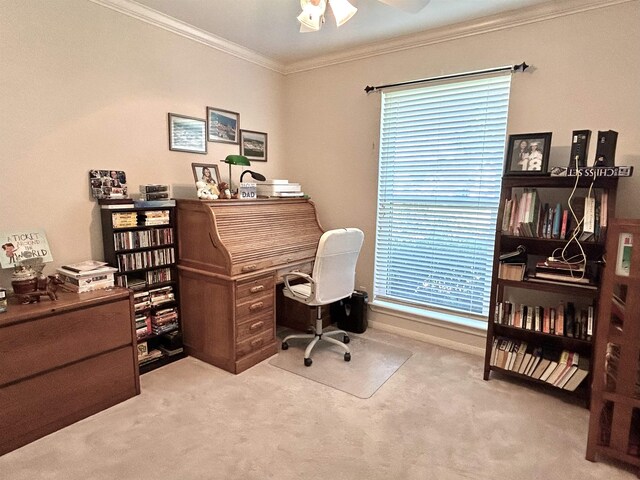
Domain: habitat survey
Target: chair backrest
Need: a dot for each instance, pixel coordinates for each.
(334, 269)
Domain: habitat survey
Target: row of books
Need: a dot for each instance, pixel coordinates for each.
(561, 320)
(527, 216)
(150, 278)
(146, 299)
(142, 238)
(566, 370)
(162, 321)
(140, 218)
(146, 259)
(147, 356)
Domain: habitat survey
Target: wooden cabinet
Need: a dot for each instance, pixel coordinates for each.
(614, 425)
(565, 308)
(232, 256)
(140, 242)
(62, 361)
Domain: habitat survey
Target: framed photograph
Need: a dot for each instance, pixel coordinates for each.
(187, 134)
(253, 145)
(223, 125)
(108, 184)
(207, 173)
(528, 154)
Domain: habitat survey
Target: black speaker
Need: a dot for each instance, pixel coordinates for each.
(351, 313)
(606, 149)
(579, 148)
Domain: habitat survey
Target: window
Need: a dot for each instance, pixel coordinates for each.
(441, 161)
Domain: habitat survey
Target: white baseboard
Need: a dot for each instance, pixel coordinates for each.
(424, 337)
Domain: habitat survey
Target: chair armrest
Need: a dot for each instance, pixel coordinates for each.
(304, 276)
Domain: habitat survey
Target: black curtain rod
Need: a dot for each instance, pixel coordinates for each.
(511, 68)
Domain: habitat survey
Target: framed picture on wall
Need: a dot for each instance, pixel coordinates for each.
(187, 134)
(223, 125)
(528, 154)
(253, 145)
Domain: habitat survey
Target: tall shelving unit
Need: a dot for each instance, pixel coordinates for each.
(614, 425)
(140, 241)
(534, 293)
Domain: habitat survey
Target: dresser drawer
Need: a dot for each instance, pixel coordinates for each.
(254, 307)
(254, 325)
(254, 288)
(41, 344)
(302, 268)
(255, 343)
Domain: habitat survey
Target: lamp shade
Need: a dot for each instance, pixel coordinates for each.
(312, 15)
(342, 11)
(237, 160)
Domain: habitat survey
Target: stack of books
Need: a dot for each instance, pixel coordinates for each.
(87, 276)
(143, 325)
(154, 192)
(279, 189)
(154, 217)
(124, 219)
(146, 356)
(164, 320)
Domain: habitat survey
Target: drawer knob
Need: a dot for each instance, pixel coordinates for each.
(257, 288)
(249, 268)
(256, 325)
(256, 306)
(256, 342)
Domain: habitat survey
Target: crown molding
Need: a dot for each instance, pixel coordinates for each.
(157, 19)
(501, 21)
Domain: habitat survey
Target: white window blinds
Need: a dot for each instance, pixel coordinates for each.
(441, 161)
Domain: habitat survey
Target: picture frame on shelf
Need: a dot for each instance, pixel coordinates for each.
(108, 184)
(253, 145)
(222, 125)
(528, 154)
(207, 173)
(187, 134)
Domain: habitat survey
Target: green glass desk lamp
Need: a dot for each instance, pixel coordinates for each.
(235, 160)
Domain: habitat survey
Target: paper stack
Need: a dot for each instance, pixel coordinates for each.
(87, 276)
(279, 189)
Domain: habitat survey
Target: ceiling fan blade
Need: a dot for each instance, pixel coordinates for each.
(411, 6)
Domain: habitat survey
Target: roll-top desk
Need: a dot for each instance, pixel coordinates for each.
(232, 254)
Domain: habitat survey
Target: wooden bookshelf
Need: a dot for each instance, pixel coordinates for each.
(556, 295)
(143, 248)
(614, 424)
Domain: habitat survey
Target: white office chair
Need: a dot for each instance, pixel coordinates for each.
(332, 279)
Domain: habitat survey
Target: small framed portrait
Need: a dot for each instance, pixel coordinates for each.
(187, 134)
(108, 183)
(207, 173)
(528, 154)
(223, 125)
(253, 145)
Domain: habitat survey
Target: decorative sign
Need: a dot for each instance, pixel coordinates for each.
(592, 171)
(22, 245)
(247, 191)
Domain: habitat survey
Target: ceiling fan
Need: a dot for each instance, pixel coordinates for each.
(312, 16)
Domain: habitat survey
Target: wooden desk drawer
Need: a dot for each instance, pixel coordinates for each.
(255, 343)
(254, 307)
(45, 403)
(253, 326)
(36, 345)
(254, 288)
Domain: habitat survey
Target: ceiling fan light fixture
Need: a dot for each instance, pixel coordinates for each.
(312, 16)
(342, 11)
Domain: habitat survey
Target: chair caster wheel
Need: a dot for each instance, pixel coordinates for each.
(346, 339)
(285, 345)
(347, 357)
(307, 362)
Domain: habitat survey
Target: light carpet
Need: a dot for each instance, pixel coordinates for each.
(372, 363)
(435, 418)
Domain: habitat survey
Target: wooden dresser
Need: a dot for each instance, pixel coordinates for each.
(232, 254)
(63, 361)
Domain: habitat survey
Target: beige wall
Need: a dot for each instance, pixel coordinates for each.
(585, 75)
(85, 87)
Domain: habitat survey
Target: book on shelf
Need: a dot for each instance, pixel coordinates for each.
(511, 271)
(578, 375)
(152, 200)
(154, 188)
